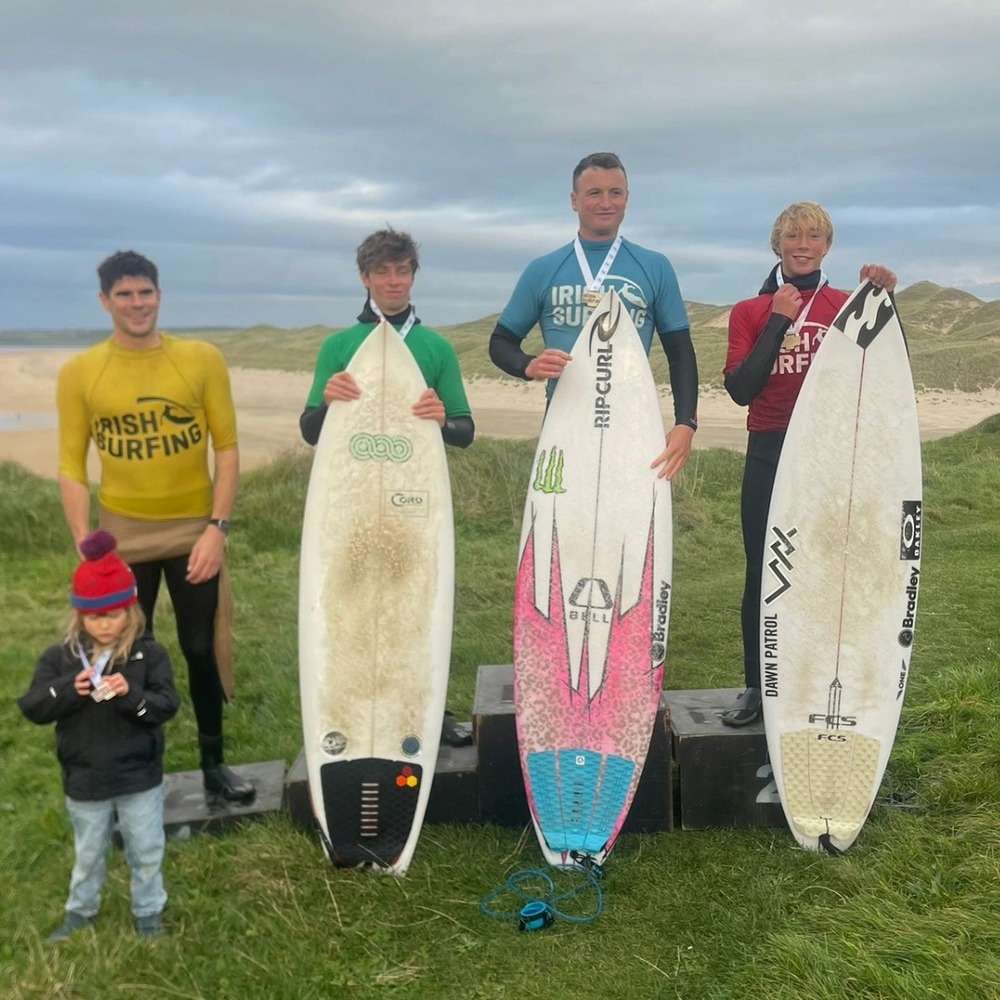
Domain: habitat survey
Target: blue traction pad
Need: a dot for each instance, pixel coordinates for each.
(579, 796)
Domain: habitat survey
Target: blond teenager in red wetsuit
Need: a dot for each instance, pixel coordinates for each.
(772, 340)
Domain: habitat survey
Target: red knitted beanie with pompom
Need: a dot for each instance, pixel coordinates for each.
(103, 582)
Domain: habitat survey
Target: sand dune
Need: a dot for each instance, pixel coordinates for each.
(269, 403)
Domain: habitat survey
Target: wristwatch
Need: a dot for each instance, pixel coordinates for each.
(221, 523)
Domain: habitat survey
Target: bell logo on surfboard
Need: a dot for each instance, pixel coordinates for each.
(590, 601)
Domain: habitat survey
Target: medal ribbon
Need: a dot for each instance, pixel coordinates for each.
(407, 325)
(796, 328)
(593, 284)
(97, 667)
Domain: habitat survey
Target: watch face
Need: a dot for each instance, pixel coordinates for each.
(222, 525)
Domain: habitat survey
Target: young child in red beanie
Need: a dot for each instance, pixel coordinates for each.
(108, 687)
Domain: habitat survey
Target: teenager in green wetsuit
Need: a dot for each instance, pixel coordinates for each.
(388, 262)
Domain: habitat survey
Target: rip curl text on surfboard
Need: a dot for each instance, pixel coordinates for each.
(602, 386)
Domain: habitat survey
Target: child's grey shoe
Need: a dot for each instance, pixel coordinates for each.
(72, 922)
(151, 926)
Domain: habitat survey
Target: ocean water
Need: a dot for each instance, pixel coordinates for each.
(14, 421)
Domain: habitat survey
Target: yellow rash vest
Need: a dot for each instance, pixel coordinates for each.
(150, 414)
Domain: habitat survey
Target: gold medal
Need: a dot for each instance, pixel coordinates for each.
(791, 342)
(592, 297)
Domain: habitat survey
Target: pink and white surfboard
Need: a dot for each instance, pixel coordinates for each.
(592, 599)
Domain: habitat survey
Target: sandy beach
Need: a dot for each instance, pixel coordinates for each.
(269, 403)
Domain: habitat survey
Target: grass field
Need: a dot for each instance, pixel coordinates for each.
(910, 912)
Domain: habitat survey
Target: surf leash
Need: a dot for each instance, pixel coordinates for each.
(540, 902)
(829, 846)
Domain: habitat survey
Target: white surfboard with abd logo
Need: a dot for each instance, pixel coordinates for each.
(841, 575)
(376, 595)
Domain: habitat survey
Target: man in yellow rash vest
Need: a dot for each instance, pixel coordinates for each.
(151, 404)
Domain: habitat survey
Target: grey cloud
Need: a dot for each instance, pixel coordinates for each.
(250, 145)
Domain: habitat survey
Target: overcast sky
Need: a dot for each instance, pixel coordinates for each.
(247, 146)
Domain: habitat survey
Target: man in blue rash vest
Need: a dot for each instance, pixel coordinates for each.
(387, 263)
(558, 292)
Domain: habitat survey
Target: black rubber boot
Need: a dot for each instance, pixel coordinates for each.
(220, 781)
(744, 710)
(455, 734)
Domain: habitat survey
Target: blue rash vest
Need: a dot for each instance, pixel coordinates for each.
(550, 293)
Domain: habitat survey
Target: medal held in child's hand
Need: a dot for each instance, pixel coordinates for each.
(102, 692)
(102, 689)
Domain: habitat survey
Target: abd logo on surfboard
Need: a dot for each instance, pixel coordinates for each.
(380, 448)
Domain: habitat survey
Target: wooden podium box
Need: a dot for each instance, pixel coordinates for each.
(724, 776)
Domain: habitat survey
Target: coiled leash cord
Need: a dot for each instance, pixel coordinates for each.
(539, 909)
